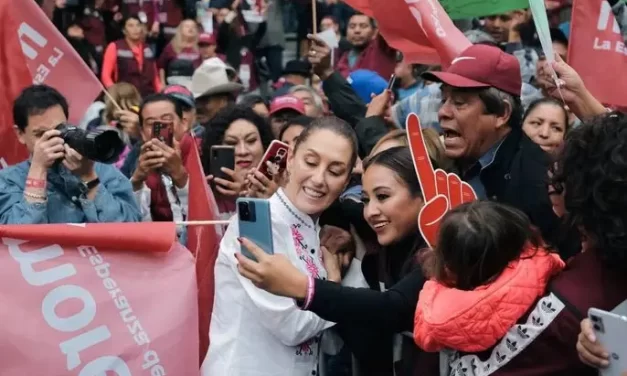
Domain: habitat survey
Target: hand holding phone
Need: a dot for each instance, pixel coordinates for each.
(610, 330)
(163, 132)
(221, 157)
(255, 224)
(274, 160)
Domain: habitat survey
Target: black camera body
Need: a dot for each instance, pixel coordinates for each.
(103, 144)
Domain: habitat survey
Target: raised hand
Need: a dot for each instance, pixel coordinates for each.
(441, 191)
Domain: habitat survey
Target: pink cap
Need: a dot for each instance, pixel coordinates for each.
(207, 38)
(287, 102)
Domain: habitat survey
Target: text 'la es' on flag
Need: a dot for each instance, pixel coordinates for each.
(34, 52)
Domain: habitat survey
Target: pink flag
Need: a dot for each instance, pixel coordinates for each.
(92, 310)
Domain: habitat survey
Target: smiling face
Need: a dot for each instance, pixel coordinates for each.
(319, 169)
(389, 207)
(244, 136)
(546, 126)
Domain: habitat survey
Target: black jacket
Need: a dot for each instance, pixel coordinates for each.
(518, 177)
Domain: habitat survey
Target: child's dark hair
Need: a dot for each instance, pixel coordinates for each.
(335, 125)
(478, 240)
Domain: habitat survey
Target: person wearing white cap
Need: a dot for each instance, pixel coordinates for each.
(212, 88)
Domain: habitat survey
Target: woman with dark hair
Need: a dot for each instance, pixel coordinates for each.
(250, 135)
(256, 333)
(546, 122)
(260, 186)
(368, 318)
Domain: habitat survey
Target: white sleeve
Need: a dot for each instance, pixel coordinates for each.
(280, 315)
(183, 195)
(142, 197)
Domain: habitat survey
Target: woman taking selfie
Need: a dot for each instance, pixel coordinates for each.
(241, 128)
(368, 318)
(254, 332)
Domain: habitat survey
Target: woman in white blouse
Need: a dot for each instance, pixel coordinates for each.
(255, 333)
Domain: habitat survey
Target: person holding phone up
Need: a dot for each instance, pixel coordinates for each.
(159, 180)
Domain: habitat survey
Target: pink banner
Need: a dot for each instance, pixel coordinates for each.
(90, 311)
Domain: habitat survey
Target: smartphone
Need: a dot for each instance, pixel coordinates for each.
(164, 133)
(391, 82)
(221, 156)
(274, 160)
(255, 224)
(611, 332)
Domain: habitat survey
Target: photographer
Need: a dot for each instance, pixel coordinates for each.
(57, 184)
(159, 178)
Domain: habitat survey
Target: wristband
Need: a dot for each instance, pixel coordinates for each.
(36, 183)
(35, 197)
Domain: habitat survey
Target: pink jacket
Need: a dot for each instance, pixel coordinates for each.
(473, 321)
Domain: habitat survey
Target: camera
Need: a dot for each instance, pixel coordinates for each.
(102, 144)
(246, 211)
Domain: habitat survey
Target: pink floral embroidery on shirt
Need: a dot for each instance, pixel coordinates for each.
(305, 348)
(312, 269)
(301, 251)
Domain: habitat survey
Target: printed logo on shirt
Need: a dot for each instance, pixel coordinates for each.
(512, 344)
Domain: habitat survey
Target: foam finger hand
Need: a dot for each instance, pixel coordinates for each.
(430, 218)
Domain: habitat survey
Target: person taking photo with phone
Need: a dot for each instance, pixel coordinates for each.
(159, 179)
(57, 184)
(250, 326)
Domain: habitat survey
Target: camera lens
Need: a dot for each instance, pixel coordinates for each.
(244, 213)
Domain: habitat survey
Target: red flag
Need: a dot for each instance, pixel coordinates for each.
(96, 308)
(595, 37)
(34, 51)
(202, 241)
(421, 30)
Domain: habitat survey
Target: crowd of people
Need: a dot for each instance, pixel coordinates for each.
(353, 287)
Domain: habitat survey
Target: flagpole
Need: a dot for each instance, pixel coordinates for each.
(201, 223)
(314, 17)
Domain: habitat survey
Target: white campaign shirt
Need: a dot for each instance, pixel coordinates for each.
(255, 333)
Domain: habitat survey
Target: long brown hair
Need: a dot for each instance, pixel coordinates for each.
(125, 95)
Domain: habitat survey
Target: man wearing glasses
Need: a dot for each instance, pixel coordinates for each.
(159, 180)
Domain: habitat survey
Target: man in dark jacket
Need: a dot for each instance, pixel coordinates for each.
(480, 118)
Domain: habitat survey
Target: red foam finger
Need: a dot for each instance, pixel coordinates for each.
(468, 194)
(454, 190)
(430, 217)
(422, 162)
(441, 181)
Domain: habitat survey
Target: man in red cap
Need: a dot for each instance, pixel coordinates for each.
(207, 44)
(480, 119)
(282, 110)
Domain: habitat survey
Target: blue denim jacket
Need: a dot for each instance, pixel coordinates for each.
(114, 201)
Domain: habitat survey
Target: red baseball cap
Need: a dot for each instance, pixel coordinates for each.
(287, 102)
(481, 66)
(206, 38)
